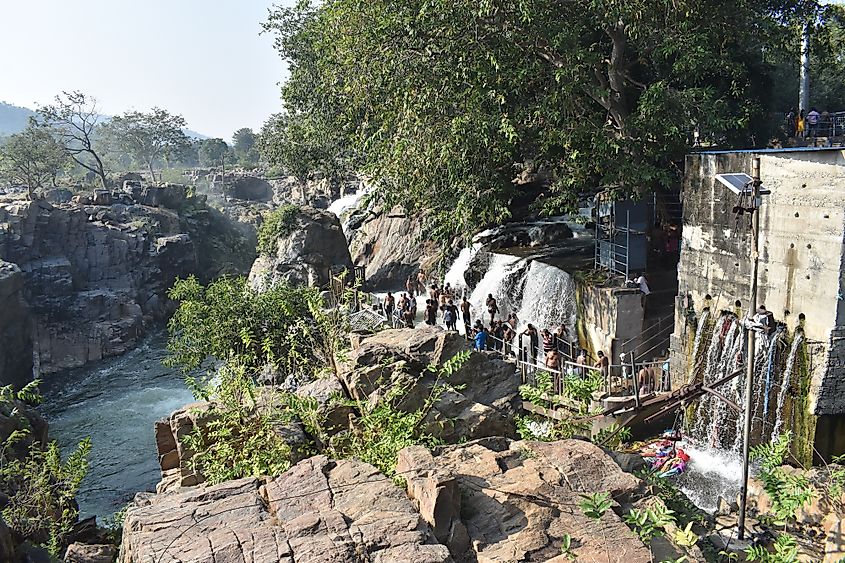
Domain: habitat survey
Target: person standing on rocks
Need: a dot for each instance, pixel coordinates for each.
(430, 311)
(466, 315)
(420, 283)
(389, 305)
(481, 339)
(411, 286)
(412, 307)
(450, 316)
(492, 307)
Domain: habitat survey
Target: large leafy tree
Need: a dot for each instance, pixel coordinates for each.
(212, 152)
(454, 107)
(32, 157)
(244, 144)
(74, 118)
(148, 138)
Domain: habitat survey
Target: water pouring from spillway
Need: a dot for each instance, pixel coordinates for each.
(714, 429)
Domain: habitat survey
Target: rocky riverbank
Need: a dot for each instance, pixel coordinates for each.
(89, 275)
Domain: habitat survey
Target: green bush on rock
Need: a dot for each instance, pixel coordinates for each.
(281, 222)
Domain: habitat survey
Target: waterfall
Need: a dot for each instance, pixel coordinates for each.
(786, 380)
(699, 332)
(455, 275)
(548, 298)
(501, 282)
(347, 202)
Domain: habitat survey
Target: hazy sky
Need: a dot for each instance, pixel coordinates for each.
(203, 59)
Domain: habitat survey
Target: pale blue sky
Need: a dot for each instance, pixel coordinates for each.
(203, 59)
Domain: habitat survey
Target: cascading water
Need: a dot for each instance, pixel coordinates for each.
(455, 275)
(548, 298)
(714, 434)
(797, 340)
(498, 281)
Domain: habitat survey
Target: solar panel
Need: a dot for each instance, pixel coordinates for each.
(739, 182)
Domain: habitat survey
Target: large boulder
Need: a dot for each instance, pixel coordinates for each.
(309, 253)
(498, 501)
(84, 553)
(319, 511)
(482, 397)
(15, 328)
(387, 243)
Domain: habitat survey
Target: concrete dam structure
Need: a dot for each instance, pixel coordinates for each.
(800, 364)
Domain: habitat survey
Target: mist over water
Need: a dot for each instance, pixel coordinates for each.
(115, 402)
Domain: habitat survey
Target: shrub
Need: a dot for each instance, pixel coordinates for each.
(280, 223)
(40, 486)
(227, 320)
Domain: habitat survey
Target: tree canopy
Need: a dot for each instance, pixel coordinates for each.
(452, 106)
(74, 118)
(147, 137)
(212, 151)
(32, 157)
(244, 144)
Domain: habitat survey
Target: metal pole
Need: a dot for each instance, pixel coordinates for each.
(804, 84)
(627, 243)
(750, 352)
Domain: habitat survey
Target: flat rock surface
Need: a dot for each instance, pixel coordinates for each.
(496, 500)
(319, 511)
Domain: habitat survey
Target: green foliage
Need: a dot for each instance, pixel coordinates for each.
(785, 550)
(533, 427)
(41, 489)
(280, 223)
(594, 505)
(212, 152)
(566, 547)
(649, 523)
(146, 138)
(283, 325)
(582, 388)
(74, 118)
(445, 104)
(32, 158)
(685, 537)
(384, 428)
(239, 437)
(836, 479)
(787, 490)
(685, 511)
(613, 436)
(244, 145)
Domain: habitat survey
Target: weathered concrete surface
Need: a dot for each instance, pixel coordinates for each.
(802, 228)
(498, 501)
(320, 511)
(608, 317)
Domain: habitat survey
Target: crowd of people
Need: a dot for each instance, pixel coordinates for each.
(810, 124)
(450, 306)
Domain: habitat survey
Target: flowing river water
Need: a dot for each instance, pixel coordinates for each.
(115, 402)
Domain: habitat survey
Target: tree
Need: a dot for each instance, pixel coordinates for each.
(148, 137)
(32, 157)
(213, 152)
(244, 143)
(74, 118)
(451, 106)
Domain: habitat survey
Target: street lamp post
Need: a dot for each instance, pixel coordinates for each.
(750, 339)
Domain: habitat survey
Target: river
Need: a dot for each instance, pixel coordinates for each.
(115, 402)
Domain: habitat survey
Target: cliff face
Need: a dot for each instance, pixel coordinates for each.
(95, 271)
(15, 328)
(387, 243)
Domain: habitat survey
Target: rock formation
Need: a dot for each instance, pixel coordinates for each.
(499, 501)
(15, 328)
(96, 270)
(309, 253)
(483, 396)
(319, 511)
(388, 244)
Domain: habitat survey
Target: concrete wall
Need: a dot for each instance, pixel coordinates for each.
(607, 317)
(802, 227)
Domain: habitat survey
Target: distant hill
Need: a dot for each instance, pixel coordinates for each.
(13, 119)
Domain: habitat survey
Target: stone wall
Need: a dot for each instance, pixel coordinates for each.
(802, 225)
(15, 328)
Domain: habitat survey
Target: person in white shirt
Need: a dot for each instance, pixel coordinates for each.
(643, 283)
(813, 121)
